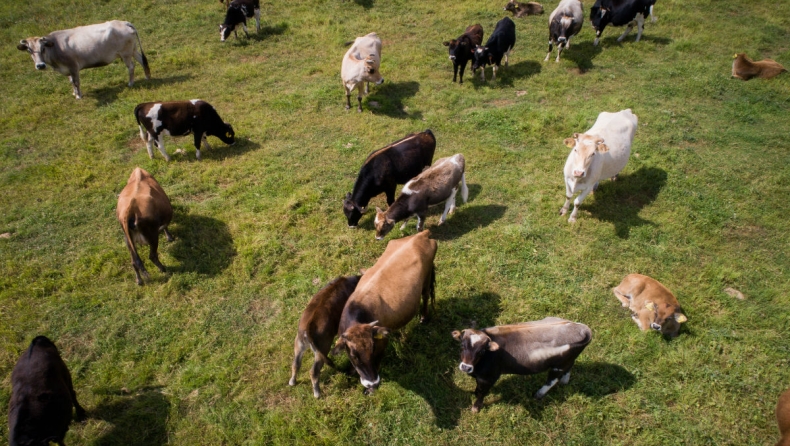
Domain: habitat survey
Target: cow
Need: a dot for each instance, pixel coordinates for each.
(237, 13)
(499, 44)
(387, 167)
(387, 298)
(527, 348)
(42, 397)
(462, 48)
(70, 50)
(619, 13)
(143, 211)
(652, 305)
(434, 185)
(318, 327)
(783, 418)
(523, 9)
(361, 65)
(564, 22)
(180, 118)
(745, 68)
(601, 152)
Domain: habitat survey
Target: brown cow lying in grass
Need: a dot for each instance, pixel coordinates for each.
(745, 68)
(652, 305)
(783, 418)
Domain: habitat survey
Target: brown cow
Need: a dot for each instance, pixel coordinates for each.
(652, 305)
(143, 211)
(523, 9)
(783, 418)
(318, 327)
(387, 298)
(745, 68)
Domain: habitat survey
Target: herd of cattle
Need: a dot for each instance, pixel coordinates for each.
(362, 310)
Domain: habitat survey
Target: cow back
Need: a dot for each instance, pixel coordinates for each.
(90, 46)
(437, 182)
(617, 130)
(322, 314)
(144, 199)
(503, 37)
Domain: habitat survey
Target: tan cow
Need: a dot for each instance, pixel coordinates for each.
(783, 418)
(652, 305)
(143, 211)
(745, 68)
(361, 66)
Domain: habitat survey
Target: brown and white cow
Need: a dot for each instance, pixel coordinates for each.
(434, 185)
(361, 66)
(783, 418)
(387, 298)
(528, 348)
(744, 68)
(70, 50)
(180, 118)
(318, 327)
(523, 9)
(652, 305)
(143, 211)
(42, 397)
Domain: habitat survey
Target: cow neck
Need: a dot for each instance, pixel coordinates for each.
(399, 210)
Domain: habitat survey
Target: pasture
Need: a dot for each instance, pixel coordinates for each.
(201, 354)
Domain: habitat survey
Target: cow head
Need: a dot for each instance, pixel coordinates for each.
(474, 344)
(599, 18)
(365, 345)
(666, 318)
(383, 224)
(225, 30)
(352, 211)
(228, 136)
(511, 6)
(371, 69)
(480, 57)
(585, 148)
(37, 47)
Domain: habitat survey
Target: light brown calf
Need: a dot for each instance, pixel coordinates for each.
(652, 305)
(783, 418)
(745, 68)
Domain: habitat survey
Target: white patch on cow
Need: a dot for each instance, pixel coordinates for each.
(545, 389)
(153, 115)
(407, 190)
(194, 101)
(542, 354)
(638, 322)
(466, 368)
(476, 339)
(368, 384)
(565, 378)
(566, 22)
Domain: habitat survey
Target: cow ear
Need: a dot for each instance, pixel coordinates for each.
(569, 142)
(456, 335)
(22, 45)
(493, 346)
(348, 196)
(339, 345)
(381, 333)
(602, 148)
(680, 318)
(446, 43)
(48, 43)
(378, 210)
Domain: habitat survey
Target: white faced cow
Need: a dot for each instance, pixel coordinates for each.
(601, 152)
(70, 50)
(361, 66)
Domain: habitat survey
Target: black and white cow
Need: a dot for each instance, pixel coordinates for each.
(619, 13)
(499, 44)
(462, 48)
(237, 14)
(564, 22)
(180, 118)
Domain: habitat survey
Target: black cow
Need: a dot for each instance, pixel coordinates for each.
(499, 44)
(180, 118)
(238, 12)
(387, 167)
(42, 397)
(619, 13)
(565, 22)
(462, 48)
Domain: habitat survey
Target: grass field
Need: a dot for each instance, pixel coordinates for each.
(201, 354)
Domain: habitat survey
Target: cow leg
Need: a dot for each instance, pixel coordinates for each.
(455, 71)
(576, 204)
(299, 347)
(348, 97)
(554, 378)
(161, 144)
(244, 28)
(507, 55)
(390, 192)
(482, 389)
(494, 68)
(462, 69)
(627, 30)
(199, 137)
(559, 51)
(137, 264)
(403, 226)
(568, 196)
(449, 206)
(75, 84)
(367, 87)
(421, 221)
(359, 97)
(315, 373)
(153, 255)
(640, 24)
(428, 293)
(652, 17)
(150, 145)
(168, 235)
(257, 20)
(551, 47)
(624, 298)
(566, 378)
(129, 61)
(483, 73)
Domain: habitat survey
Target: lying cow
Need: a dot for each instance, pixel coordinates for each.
(652, 305)
(387, 298)
(499, 45)
(783, 418)
(237, 14)
(601, 152)
(745, 68)
(564, 22)
(619, 13)
(523, 9)
(528, 348)
(70, 50)
(387, 167)
(361, 66)
(434, 185)
(180, 118)
(42, 397)
(462, 48)
(143, 211)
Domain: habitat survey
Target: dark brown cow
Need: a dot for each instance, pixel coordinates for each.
(387, 298)
(745, 68)
(523, 9)
(783, 418)
(318, 327)
(462, 48)
(144, 210)
(42, 397)
(528, 348)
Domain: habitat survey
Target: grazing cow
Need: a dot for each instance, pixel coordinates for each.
(143, 211)
(434, 185)
(385, 168)
(180, 118)
(361, 66)
(783, 418)
(237, 13)
(652, 305)
(523, 9)
(42, 397)
(318, 327)
(745, 68)
(528, 348)
(70, 50)
(601, 152)
(387, 298)
(462, 48)
(619, 13)
(499, 44)
(564, 22)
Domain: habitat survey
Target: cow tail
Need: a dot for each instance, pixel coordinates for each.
(432, 290)
(128, 224)
(318, 352)
(142, 54)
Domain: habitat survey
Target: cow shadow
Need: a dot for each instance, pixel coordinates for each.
(137, 419)
(367, 4)
(582, 54)
(506, 75)
(387, 99)
(465, 219)
(223, 151)
(265, 32)
(202, 245)
(611, 40)
(108, 95)
(620, 201)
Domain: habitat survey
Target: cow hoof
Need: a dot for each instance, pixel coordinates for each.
(572, 220)
(563, 211)
(475, 409)
(317, 395)
(359, 110)
(292, 382)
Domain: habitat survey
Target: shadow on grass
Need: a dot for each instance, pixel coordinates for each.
(506, 75)
(222, 151)
(108, 95)
(581, 54)
(367, 4)
(203, 244)
(611, 40)
(390, 96)
(266, 31)
(465, 219)
(138, 419)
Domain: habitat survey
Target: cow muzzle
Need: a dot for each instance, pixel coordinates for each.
(40, 66)
(381, 81)
(452, 57)
(370, 384)
(579, 173)
(466, 368)
(655, 326)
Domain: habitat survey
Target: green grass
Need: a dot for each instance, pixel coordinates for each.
(201, 355)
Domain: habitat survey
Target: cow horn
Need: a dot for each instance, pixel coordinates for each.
(373, 324)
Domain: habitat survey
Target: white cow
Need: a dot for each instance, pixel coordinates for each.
(601, 152)
(70, 50)
(361, 66)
